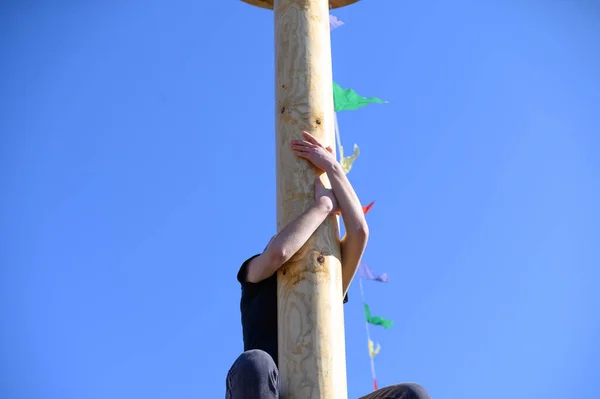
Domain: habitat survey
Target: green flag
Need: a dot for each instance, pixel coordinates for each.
(376, 320)
(348, 100)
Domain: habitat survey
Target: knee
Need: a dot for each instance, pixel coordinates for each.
(254, 363)
(412, 390)
(253, 373)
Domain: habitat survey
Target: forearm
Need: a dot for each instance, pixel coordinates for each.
(357, 232)
(296, 233)
(348, 202)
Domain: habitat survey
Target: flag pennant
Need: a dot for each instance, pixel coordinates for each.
(349, 100)
(366, 272)
(373, 351)
(377, 320)
(347, 162)
(334, 22)
(367, 208)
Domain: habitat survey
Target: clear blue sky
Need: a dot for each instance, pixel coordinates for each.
(137, 167)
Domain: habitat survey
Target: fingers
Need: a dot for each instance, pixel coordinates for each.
(302, 148)
(301, 144)
(310, 138)
(306, 149)
(303, 154)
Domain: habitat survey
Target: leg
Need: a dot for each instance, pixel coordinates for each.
(400, 391)
(253, 376)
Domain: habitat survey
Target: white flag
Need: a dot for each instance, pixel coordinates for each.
(334, 22)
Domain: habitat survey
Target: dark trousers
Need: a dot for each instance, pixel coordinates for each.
(254, 375)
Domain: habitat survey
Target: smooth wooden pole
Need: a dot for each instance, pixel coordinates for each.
(312, 359)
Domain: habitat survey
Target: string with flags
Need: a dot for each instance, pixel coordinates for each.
(366, 273)
(350, 100)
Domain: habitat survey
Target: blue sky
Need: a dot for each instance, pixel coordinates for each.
(137, 166)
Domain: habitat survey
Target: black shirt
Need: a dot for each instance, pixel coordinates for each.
(259, 312)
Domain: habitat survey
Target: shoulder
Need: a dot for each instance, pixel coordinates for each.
(266, 288)
(242, 275)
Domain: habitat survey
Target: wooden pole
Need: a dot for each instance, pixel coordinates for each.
(312, 358)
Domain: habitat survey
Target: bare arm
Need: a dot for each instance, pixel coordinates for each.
(357, 232)
(293, 236)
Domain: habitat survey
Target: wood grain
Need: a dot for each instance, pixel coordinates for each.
(269, 3)
(312, 359)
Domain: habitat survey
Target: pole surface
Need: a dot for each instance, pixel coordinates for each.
(312, 358)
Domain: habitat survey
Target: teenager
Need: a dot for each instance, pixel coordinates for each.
(254, 374)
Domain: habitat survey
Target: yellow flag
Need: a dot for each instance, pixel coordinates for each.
(347, 162)
(373, 352)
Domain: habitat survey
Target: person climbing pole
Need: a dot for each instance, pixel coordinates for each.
(254, 374)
